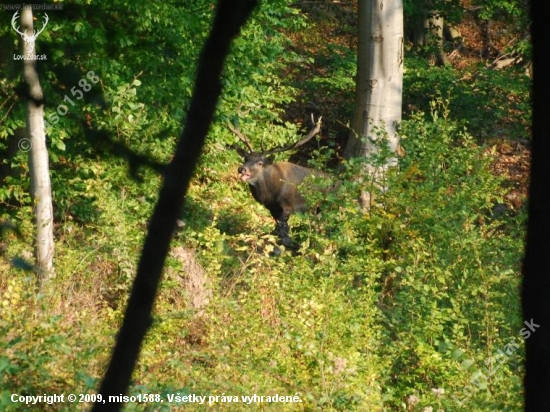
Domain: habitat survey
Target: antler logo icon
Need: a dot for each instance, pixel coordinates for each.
(29, 40)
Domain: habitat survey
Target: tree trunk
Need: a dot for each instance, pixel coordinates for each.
(488, 46)
(429, 27)
(41, 192)
(230, 16)
(379, 84)
(435, 24)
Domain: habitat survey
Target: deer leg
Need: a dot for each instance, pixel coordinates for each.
(282, 231)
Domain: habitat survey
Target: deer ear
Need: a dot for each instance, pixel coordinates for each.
(240, 150)
(269, 160)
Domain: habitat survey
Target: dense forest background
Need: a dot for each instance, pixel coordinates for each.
(411, 306)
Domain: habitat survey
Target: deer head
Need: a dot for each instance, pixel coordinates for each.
(255, 161)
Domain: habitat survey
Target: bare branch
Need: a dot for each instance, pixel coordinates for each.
(229, 18)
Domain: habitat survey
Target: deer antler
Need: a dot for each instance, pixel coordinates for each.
(314, 130)
(237, 132)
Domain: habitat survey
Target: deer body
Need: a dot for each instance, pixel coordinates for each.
(275, 185)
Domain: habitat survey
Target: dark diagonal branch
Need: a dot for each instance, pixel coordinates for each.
(230, 16)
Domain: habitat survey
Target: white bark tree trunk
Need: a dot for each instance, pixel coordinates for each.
(379, 85)
(41, 193)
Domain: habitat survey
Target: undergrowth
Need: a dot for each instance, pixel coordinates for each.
(397, 308)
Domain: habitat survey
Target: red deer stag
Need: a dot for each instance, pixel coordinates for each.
(275, 185)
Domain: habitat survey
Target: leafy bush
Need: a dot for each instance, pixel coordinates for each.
(491, 102)
(453, 276)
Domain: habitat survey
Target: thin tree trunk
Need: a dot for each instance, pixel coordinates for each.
(435, 24)
(429, 28)
(41, 192)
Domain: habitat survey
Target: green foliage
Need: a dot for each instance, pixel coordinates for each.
(492, 9)
(376, 309)
(488, 101)
(452, 10)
